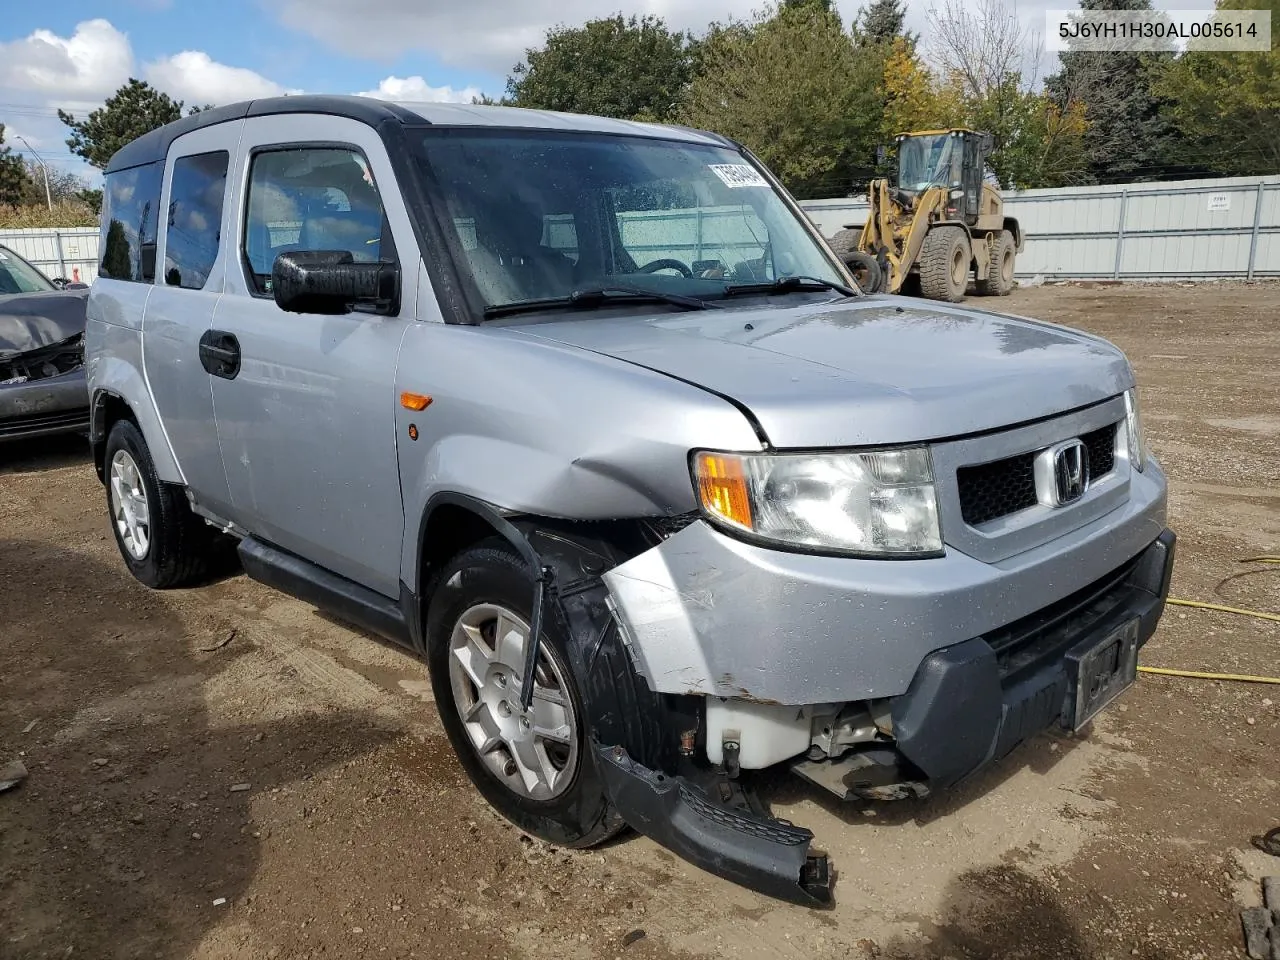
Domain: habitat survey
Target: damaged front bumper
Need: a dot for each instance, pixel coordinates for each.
(718, 833)
(51, 405)
(967, 706)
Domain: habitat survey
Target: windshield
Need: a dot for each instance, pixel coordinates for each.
(541, 215)
(930, 161)
(18, 276)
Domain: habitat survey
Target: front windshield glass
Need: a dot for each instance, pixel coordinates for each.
(543, 215)
(18, 276)
(932, 161)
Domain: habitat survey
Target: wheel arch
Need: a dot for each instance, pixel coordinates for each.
(107, 408)
(1011, 224)
(116, 388)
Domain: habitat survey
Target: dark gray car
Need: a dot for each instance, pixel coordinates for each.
(42, 382)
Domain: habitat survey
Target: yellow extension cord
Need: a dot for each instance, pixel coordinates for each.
(1241, 611)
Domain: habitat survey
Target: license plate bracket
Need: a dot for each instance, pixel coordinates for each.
(1099, 671)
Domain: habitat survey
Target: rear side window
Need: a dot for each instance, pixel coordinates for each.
(130, 214)
(310, 198)
(195, 218)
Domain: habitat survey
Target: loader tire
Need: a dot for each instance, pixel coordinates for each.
(845, 242)
(999, 282)
(865, 269)
(944, 264)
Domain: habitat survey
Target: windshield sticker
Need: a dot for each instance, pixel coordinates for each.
(738, 175)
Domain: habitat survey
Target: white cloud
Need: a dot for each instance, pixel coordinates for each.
(194, 77)
(490, 36)
(417, 90)
(90, 64)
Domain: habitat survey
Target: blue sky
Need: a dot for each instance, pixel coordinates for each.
(74, 53)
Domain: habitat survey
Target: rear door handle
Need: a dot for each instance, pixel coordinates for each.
(220, 353)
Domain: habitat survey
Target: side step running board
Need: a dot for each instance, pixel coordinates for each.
(328, 591)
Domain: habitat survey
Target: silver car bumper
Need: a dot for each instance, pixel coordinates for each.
(41, 407)
(707, 614)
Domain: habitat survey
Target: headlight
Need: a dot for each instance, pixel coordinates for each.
(1133, 426)
(873, 503)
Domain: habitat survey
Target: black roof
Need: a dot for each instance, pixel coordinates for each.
(154, 145)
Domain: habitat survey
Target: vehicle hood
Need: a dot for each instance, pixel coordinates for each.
(875, 370)
(29, 321)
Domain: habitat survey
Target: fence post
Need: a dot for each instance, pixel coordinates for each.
(1124, 203)
(1257, 223)
(62, 263)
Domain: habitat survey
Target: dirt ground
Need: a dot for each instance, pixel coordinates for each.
(226, 773)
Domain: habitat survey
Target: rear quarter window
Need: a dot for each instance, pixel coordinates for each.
(194, 224)
(130, 214)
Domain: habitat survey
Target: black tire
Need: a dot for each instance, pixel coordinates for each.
(945, 259)
(1000, 264)
(493, 573)
(182, 549)
(845, 242)
(865, 269)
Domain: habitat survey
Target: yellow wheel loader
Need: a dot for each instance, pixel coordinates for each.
(940, 222)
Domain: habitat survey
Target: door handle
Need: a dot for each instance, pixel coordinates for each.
(220, 353)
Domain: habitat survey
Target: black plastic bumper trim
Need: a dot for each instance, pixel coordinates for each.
(763, 854)
(960, 713)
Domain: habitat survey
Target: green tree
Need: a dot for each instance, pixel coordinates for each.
(611, 67)
(13, 175)
(822, 6)
(792, 87)
(92, 199)
(134, 109)
(883, 22)
(1130, 138)
(1227, 104)
(115, 259)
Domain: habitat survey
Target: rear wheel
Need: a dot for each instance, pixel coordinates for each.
(532, 766)
(944, 264)
(163, 543)
(999, 282)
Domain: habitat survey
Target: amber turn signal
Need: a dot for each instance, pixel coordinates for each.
(722, 487)
(415, 401)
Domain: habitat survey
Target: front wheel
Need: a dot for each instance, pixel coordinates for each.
(944, 264)
(533, 766)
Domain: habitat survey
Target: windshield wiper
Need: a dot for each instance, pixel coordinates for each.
(790, 285)
(594, 299)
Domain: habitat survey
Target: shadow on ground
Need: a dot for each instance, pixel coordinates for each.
(1005, 913)
(127, 829)
(44, 453)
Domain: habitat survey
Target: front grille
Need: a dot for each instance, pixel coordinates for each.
(1101, 445)
(989, 491)
(50, 361)
(992, 490)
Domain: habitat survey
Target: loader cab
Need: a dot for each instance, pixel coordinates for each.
(953, 160)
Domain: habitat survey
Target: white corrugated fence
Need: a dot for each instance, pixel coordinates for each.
(1141, 231)
(70, 252)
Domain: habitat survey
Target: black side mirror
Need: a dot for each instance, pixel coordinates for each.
(881, 155)
(331, 282)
